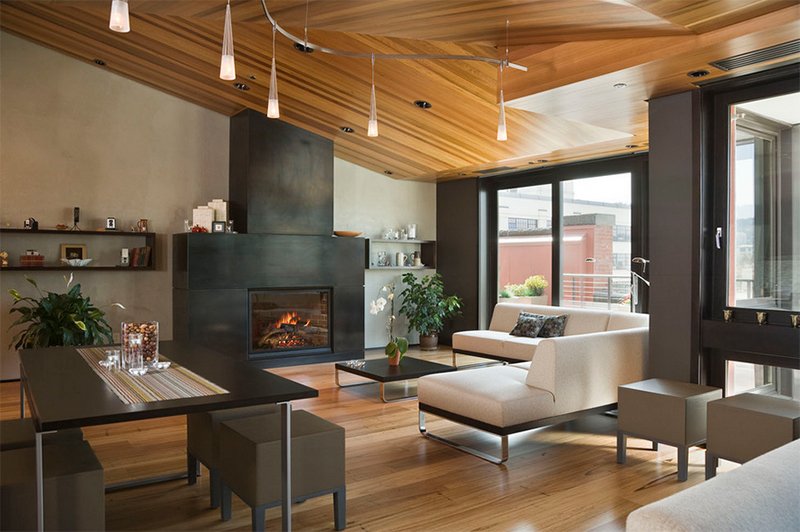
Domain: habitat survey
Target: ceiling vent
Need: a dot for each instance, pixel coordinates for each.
(758, 56)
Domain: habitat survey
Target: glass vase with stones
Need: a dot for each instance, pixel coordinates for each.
(149, 346)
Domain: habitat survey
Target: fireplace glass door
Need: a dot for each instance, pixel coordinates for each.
(289, 319)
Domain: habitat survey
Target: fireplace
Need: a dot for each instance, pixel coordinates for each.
(289, 320)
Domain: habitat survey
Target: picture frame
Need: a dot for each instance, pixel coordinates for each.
(217, 227)
(73, 251)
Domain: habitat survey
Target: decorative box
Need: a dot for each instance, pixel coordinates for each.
(31, 260)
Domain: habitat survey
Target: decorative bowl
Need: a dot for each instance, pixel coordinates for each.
(76, 262)
(347, 233)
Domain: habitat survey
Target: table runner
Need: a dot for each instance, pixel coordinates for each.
(175, 382)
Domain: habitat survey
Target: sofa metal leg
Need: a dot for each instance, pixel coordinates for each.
(655, 445)
(463, 448)
(621, 447)
(454, 360)
(340, 508)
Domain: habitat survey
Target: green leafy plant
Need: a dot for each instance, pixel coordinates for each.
(425, 304)
(532, 286)
(505, 294)
(56, 319)
(397, 344)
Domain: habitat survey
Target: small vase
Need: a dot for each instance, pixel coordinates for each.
(395, 360)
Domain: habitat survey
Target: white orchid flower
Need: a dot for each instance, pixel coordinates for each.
(381, 303)
(373, 308)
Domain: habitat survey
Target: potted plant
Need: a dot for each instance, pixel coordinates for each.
(56, 319)
(426, 307)
(397, 346)
(530, 291)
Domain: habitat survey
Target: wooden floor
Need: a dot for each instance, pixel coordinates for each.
(558, 478)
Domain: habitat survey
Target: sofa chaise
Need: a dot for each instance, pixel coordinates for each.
(563, 378)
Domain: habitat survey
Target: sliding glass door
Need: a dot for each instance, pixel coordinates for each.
(574, 236)
(596, 243)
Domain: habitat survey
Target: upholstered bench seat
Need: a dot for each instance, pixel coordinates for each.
(73, 487)
(250, 463)
(21, 433)
(496, 395)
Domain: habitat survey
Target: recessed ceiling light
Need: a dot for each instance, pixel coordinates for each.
(242, 86)
(99, 62)
(251, 77)
(698, 73)
(620, 85)
(422, 104)
(630, 146)
(388, 172)
(347, 129)
(542, 161)
(300, 47)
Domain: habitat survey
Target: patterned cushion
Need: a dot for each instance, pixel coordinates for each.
(528, 325)
(553, 326)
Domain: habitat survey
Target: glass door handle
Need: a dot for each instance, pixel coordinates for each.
(718, 238)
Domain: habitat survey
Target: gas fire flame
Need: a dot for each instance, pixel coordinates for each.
(290, 318)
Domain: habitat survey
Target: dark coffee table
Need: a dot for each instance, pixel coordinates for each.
(380, 371)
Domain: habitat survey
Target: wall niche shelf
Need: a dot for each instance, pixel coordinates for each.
(426, 248)
(72, 237)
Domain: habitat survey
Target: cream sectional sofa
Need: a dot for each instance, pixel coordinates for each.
(563, 378)
(763, 494)
(497, 343)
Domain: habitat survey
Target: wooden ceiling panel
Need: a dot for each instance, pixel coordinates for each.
(707, 15)
(565, 108)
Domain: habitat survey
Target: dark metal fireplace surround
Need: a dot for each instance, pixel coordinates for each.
(231, 291)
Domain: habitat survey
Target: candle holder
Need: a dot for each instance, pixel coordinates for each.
(727, 315)
(795, 320)
(761, 318)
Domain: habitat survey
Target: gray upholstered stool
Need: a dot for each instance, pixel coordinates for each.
(742, 427)
(250, 463)
(73, 487)
(202, 441)
(21, 433)
(664, 411)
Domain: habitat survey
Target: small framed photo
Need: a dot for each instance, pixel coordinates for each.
(73, 251)
(217, 227)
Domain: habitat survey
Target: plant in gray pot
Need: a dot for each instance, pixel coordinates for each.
(426, 307)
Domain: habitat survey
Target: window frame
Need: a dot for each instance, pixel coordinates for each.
(635, 164)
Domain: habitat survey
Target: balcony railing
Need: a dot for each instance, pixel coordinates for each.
(612, 292)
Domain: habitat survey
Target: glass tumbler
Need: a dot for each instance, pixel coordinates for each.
(136, 355)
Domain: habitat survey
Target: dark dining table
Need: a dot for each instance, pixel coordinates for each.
(63, 391)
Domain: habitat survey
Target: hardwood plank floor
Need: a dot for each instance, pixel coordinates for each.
(557, 478)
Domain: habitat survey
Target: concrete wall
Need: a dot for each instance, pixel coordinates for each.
(370, 202)
(74, 134)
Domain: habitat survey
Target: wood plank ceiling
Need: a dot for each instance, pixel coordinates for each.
(564, 108)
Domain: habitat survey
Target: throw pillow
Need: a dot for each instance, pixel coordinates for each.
(553, 326)
(528, 325)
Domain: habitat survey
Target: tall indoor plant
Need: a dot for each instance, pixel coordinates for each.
(426, 307)
(55, 319)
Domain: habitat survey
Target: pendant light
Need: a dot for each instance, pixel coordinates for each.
(502, 132)
(227, 67)
(119, 20)
(372, 126)
(273, 109)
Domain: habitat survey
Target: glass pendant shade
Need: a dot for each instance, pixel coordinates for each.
(273, 109)
(502, 133)
(119, 20)
(227, 66)
(372, 125)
